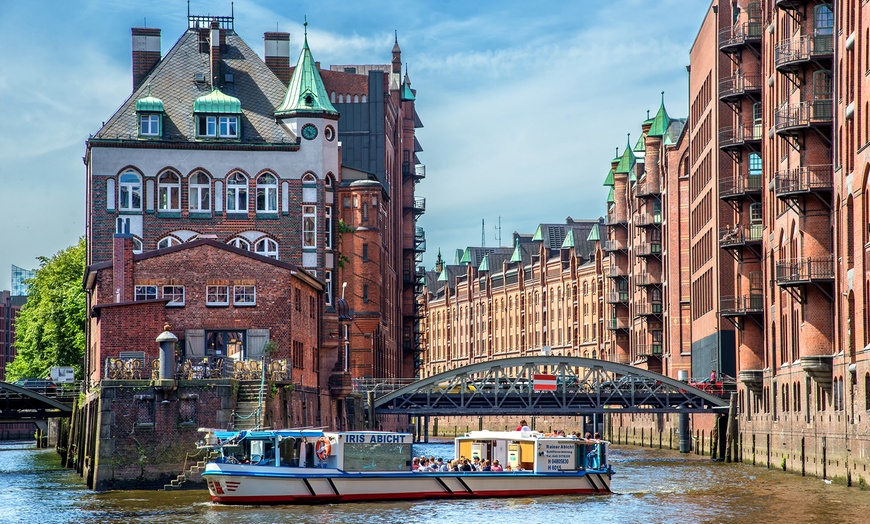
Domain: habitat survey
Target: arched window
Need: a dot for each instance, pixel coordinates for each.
(340, 99)
(237, 193)
(332, 97)
(267, 247)
(137, 245)
(200, 192)
(169, 192)
(240, 243)
(167, 242)
(309, 226)
(267, 193)
(755, 165)
(130, 192)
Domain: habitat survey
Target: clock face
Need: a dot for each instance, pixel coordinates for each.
(309, 131)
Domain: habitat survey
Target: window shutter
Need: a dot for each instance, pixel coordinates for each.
(195, 343)
(257, 339)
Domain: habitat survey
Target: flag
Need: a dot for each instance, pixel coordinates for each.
(544, 382)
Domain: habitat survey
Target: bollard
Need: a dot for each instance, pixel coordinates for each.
(685, 434)
(167, 354)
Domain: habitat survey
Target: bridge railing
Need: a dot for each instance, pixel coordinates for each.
(198, 368)
(380, 386)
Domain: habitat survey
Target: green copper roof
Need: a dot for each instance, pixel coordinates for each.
(149, 104)
(466, 257)
(407, 94)
(661, 121)
(594, 235)
(610, 196)
(641, 144)
(632, 175)
(443, 276)
(217, 102)
(609, 180)
(517, 256)
(626, 162)
(569, 240)
(305, 92)
(484, 264)
(539, 235)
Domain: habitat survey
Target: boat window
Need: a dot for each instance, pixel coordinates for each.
(290, 452)
(377, 457)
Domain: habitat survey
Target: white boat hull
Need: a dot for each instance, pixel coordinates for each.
(232, 484)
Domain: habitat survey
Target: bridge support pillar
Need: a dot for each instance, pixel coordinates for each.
(685, 434)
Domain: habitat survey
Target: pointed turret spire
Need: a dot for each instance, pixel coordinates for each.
(517, 255)
(439, 262)
(306, 93)
(661, 122)
(407, 93)
(397, 55)
(626, 162)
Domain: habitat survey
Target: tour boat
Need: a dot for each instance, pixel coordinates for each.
(315, 467)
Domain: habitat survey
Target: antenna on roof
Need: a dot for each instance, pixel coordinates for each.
(188, 9)
(498, 228)
(482, 232)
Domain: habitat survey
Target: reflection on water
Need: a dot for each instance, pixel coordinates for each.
(650, 486)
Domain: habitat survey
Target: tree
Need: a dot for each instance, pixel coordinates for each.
(50, 330)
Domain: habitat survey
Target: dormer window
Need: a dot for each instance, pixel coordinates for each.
(210, 126)
(149, 109)
(149, 125)
(217, 115)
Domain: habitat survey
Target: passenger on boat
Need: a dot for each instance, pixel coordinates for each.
(466, 465)
(496, 466)
(476, 464)
(524, 426)
(442, 466)
(487, 466)
(415, 464)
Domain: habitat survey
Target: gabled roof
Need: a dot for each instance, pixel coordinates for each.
(552, 235)
(594, 235)
(173, 81)
(305, 92)
(569, 241)
(474, 255)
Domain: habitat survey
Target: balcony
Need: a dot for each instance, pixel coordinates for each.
(647, 309)
(647, 219)
(617, 272)
(751, 304)
(805, 271)
(614, 219)
(733, 39)
(610, 246)
(752, 379)
(415, 171)
(740, 186)
(617, 297)
(648, 188)
(419, 240)
(736, 236)
(804, 180)
(617, 324)
(648, 249)
(647, 279)
(654, 349)
(792, 53)
(418, 206)
(739, 136)
(790, 119)
(738, 85)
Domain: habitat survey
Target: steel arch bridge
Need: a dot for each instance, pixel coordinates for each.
(583, 386)
(25, 405)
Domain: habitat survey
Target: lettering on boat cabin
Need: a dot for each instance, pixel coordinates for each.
(558, 456)
(370, 438)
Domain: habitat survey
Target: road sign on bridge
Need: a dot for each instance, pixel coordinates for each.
(578, 386)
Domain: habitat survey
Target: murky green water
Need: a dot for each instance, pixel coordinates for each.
(651, 487)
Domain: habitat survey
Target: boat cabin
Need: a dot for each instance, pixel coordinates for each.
(533, 451)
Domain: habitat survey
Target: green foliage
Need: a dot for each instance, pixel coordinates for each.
(342, 228)
(50, 331)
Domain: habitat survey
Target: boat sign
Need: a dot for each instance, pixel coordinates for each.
(559, 456)
(544, 382)
(376, 438)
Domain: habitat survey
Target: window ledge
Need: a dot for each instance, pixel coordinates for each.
(129, 211)
(168, 214)
(199, 214)
(267, 215)
(236, 215)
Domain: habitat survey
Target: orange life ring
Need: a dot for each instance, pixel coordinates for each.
(322, 448)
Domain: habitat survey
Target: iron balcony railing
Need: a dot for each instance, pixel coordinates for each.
(805, 270)
(614, 218)
(739, 135)
(615, 271)
(739, 84)
(648, 188)
(617, 324)
(419, 205)
(614, 245)
(738, 236)
(752, 303)
(646, 249)
(197, 368)
(804, 179)
(740, 185)
(647, 279)
(793, 51)
(647, 219)
(790, 117)
(643, 309)
(732, 38)
(617, 297)
(649, 349)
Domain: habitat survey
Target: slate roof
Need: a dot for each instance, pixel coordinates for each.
(173, 81)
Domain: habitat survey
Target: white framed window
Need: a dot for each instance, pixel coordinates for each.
(167, 242)
(217, 295)
(149, 125)
(309, 188)
(240, 243)
(137, 246)
(267, 247)
(200, 192)
(245, 295)
(237, 193)
(130, 192)
(206, 126)
(309, 226)
(267, 193)
(144, 293)
(175, 294)
(228, 126)
(169, 192)
(327, 277)
(327, 227)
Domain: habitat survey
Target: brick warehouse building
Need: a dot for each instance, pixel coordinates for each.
(315, 168)
(764, 234)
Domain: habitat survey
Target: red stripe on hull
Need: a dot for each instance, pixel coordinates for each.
(370, 497)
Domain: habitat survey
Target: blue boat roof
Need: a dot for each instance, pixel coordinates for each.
(269, 433)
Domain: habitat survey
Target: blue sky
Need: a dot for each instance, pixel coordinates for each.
(523, 102)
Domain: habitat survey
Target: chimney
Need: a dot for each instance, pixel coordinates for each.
(122, 267)
(278, 54)
(215, 54)
(146, 53)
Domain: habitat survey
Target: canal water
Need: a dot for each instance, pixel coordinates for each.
(650, 486)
